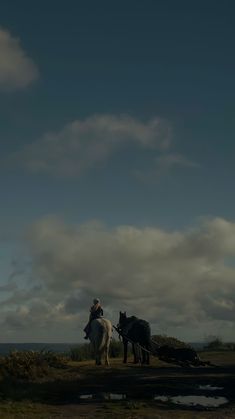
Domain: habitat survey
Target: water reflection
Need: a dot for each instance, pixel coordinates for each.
(191, 400)
(103, 396)
(194, 400)
(209, 387)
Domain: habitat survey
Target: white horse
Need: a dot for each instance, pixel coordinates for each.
(100, 336)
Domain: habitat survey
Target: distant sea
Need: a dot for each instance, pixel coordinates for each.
(5, 348)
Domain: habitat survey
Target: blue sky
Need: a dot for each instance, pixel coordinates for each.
(123, 113)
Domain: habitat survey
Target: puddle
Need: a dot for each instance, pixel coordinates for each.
(85, 396)
(194, 400)
(103, 396)
(209, 387)
(113, 396)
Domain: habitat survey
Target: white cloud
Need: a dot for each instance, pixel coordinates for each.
(177, 280)
(86, 143)
(164, 165)
(17, 70)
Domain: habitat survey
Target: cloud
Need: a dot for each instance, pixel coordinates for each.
(17, 70)
(164, 165)
(177, 280)
(84, 144)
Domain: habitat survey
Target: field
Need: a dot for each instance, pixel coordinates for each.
(81, 390)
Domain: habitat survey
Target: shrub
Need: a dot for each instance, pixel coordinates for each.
(169, 340)
(116, 349)
(216, 344)
(30, 364)
(84, 352)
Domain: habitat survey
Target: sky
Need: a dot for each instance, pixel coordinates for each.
(117, 166)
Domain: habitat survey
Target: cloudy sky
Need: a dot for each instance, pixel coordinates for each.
(117, 166)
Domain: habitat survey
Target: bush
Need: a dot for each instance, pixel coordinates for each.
(169, 340)
(116, 349)
(30, 364)
(84, 352)
(216, 344)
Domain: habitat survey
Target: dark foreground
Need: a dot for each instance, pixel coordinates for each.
(81, 390)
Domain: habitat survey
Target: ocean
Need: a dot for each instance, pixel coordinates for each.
(5, 348)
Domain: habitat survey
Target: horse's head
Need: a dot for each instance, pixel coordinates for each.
(122, 320)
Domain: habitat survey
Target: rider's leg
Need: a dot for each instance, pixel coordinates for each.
(87, 330)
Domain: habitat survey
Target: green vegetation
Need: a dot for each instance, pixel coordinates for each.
(81, 352)
(47, 385)
(168, 340)
(116, 349)
(216, 344)
(30, 364)
(84, 351)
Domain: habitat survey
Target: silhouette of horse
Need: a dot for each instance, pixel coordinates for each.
(138, 331)
(100, 336)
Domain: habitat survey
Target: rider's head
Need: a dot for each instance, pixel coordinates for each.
(96, 301)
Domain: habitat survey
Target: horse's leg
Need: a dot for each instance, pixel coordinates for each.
(96, 357)
(99, 358)
(142, 360)
(135, 352)
(107, 352)
(97, 354)
(95, 351)
(106, 355)
(146, 355)
(125, 343)
(147, 358)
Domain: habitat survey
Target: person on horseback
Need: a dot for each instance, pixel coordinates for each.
(96, 312)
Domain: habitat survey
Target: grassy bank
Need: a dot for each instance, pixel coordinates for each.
(55, 391)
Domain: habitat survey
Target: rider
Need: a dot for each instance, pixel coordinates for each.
(96, 312)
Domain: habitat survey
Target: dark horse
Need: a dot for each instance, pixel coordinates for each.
(138, 331)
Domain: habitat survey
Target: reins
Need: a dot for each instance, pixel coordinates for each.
(130, 340)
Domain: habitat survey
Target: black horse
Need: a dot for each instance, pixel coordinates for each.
(138, 331)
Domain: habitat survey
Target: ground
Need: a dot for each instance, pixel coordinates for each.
(58, 395)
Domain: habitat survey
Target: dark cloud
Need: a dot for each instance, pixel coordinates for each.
(174, 279)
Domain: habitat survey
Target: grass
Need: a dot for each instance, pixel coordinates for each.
(27, 410)
(55, 394)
